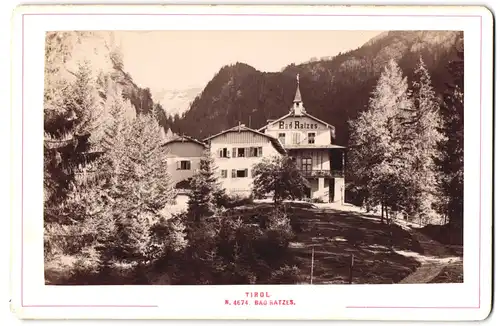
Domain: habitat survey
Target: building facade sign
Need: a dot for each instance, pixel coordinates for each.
(297, 125)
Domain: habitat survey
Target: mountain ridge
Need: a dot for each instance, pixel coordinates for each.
(333, 90)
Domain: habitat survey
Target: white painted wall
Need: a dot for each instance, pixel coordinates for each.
(230, 140)
(320, 189)
(183, 151)
(339, 185)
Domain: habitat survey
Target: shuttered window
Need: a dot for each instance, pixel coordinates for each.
(223, 152)
(183, 165)
(253, 152)
(223, 174)
(242, 173)
(296, 138)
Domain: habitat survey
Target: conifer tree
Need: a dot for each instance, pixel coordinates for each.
(141, 185)
(71, 135)
(452, 162)
(378, 153)
(119, 113)
(206, 193)
(423, 128)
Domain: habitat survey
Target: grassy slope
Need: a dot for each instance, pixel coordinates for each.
(335, 235)
(452, 273)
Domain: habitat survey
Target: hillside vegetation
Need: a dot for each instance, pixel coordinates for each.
(335, 90)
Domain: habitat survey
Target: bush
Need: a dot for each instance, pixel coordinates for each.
(65, 239)
(85, 271)
(274, 245)
(225, 250)
(277, 237)
(286, 275)
(317, 200)
(299, 223)
(235, 200)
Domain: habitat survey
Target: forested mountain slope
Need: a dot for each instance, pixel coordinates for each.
(334, 90)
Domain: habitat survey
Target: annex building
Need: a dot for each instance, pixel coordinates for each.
(309, 140)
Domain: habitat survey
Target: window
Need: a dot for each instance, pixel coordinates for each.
(310, 137)
(281, 137)
(241, 152)
(255, 151)
(223, 174)
(239, 173)
(306, 164)
(184, 165)
(296, 138)
(223, 152)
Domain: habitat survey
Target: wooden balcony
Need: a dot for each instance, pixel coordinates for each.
(323, 173)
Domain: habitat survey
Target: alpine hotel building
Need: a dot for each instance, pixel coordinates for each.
(309, 140)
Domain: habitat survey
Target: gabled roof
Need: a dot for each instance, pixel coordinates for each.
(276, 143)
(292, 115)
(183, 139)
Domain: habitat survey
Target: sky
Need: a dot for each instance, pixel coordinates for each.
(179, 60)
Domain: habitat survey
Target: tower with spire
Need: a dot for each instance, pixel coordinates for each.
(310, 141)
(298, 108)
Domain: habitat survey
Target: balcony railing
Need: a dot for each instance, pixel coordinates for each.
(323, 173)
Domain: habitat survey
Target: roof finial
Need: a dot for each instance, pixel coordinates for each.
(298, 97)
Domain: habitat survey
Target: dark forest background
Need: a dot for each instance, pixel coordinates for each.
(335, 89)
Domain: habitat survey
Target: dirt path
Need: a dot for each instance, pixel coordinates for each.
(435, 257)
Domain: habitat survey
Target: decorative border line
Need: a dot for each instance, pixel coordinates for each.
(261, 15)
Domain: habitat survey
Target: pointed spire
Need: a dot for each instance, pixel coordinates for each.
(298, 97)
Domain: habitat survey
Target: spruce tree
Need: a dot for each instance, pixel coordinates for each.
(452, 162)
(206, 193)
(119, 113)
(71, 135)
(140, 187)
(423, 128)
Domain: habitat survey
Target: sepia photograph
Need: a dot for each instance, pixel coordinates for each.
(253, 157)
(252, 162)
